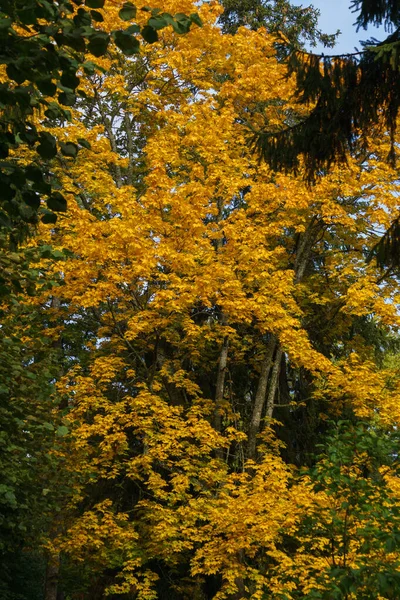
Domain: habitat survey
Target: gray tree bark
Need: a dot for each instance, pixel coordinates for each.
(260, 398)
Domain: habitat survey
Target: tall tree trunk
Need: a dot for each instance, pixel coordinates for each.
(270, 369)
(274, 383)
(52, 575)
(241, 587)
(130, 144)
(259, 402)
(219, 391)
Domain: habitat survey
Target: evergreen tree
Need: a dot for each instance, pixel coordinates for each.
(300, 25)
(352, 96)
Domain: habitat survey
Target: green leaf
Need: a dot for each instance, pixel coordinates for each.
(67, 98)
(57, 202)
(127, 43)
(18, 75)
(182, 17)
(69, 79)
(11, 499)
(84, 143)
(179, 25)
(5, 23)
(194, 17)
(98, 43)
(69, 149)
(46, 86)
(45, 251)
(27, 15)
(34, 174)
(82, 18)
(89, 67)
(49, 217)
(133, 29)
(75, 40)
(127, 12)
(31, 198)
(48, 426)
(18, 177)
(47, 147)
(54, 111)
(96, 16)
(157, 22)
(149, 34)
(94, 3)
(62, 431)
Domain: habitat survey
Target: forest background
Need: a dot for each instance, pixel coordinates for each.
(199, 358)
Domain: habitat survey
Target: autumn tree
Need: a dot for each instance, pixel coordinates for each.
(44, 50)
(213, 317)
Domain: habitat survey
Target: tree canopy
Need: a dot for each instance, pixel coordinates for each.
(349, 98)
(44, 48)
(200, 394)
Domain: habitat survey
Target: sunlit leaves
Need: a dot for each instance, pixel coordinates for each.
(177, 249)
(39, 42)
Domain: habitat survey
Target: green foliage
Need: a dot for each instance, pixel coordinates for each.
(300, 25)
(387, 250)
(347, 97)
(358, 527)
(22, 576)
(371, 11)
(30, 481)
(351, 96)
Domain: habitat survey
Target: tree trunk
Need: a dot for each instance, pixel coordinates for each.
(52, 575)
(259, 402)
(274, 383)
(219, 391)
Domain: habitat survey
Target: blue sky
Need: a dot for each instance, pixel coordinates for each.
(335, 14)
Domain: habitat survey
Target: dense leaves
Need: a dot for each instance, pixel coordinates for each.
(347, 96)
(354, 527)
(198, 326)
(44, 46)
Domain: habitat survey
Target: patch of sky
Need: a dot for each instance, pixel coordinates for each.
(336, 14)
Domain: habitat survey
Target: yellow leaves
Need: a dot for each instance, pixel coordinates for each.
(105, 368)
(368, 390)
(100, 533)
(366, 297)
(177, 239)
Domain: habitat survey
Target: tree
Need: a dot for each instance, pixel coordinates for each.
(44, 49)
(204, 298)
(347, 542)
(298, 24)
(350, 97)
(31, 426)
(209, 318)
